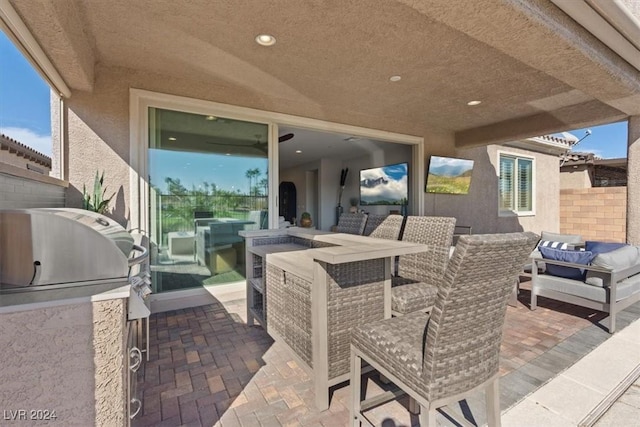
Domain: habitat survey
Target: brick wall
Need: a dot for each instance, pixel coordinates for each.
(595, 213)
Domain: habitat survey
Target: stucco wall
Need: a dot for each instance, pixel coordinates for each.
(98, 134)
(98, 139)
(22, 162)
(21, 189)
(633, 181)
(479, 208)
(575, 177)
(594, 213)
(65, 358)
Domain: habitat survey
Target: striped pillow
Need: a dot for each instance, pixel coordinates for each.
(552, 244)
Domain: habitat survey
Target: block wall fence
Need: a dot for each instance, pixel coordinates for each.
(595, 213)
(21, 189)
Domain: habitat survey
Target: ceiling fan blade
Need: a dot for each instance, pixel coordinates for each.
(285, 137)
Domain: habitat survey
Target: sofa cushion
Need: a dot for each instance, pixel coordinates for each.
(571, 287)
(601, 247)
(618, 259)
(576, 257)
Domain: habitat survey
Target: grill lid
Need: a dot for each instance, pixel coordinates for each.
(55, 246)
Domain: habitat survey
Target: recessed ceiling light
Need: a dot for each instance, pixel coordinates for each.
(395, 78)
(228, 154)
(265, 40)
(171, 138)
(298, 151)
(472, 103)
(211, 118)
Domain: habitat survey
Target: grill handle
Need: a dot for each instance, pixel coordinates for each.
(136, 359)
(36, 273)
(137, 260)
(135, 401)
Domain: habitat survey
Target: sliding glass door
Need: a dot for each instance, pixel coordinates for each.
(208, 179)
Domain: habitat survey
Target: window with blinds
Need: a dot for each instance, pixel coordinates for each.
(515, 184)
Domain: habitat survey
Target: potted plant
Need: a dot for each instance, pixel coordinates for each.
(305, 220)
(354, 205)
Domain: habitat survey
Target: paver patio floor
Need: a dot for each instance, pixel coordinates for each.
(207, 367)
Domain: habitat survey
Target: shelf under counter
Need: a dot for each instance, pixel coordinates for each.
(257, 284)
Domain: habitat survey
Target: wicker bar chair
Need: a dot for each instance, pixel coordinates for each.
(389, 228)
(415, 286)
(441, 357)
(373, 221)
(351, 223)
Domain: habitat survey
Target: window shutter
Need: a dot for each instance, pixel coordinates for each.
(507, 184)
(525, 184)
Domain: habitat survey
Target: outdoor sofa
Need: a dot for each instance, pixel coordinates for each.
(598, 275)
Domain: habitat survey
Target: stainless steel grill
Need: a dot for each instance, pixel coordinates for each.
(49, 254)
(62, 247)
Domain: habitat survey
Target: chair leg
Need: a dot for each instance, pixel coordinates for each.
(611, 320)
(492, 396)
(414, 407)
(534, 299)
(513, 300)
(427, 418)
(354, 383)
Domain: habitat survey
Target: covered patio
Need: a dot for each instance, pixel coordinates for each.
(441, 77)
(207, 367)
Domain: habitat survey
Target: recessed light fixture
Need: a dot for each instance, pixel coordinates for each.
(265, 40)
(211, 118)
(228, 154)
(298, 151)
(395, 78)
(171, 138)
(472, 103)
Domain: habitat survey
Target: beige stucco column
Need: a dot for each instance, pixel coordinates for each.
(633, 182)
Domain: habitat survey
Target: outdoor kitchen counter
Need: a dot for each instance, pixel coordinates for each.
(64, 352)
(308, 288)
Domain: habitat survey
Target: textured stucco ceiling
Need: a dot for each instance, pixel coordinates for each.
(535, 69)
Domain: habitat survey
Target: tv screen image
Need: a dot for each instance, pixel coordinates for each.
(449, 175)
(386, 185)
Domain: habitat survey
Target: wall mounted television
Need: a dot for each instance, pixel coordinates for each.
(449, 175)
(386, 185)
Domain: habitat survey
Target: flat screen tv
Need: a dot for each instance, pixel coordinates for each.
(449, 175)
(386, 185)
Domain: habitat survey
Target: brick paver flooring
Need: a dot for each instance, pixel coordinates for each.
(207, 367)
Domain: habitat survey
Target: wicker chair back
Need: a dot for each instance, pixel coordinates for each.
(351, 223)
(462, 343)
(389, 228)
(429, 266)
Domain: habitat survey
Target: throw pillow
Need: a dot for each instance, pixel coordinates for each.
(553, 244)
(601, 247)
(575, 257)
(618, 259)
(557, 237)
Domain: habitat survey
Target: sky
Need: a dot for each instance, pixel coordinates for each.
(24, 100)
(25, 112)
